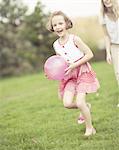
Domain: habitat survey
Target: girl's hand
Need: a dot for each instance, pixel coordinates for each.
(70, 68)
(109, 58)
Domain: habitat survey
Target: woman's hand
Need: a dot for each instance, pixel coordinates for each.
(109, 58)
(70, 68)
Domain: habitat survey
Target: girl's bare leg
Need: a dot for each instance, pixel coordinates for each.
(81, 118)
(81, 103)
(68, 100)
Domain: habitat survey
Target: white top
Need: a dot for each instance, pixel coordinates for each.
(112, 28)
(69, 51)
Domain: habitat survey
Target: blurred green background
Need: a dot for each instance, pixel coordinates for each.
(25, 43)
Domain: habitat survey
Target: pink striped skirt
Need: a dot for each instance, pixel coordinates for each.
(81, 80)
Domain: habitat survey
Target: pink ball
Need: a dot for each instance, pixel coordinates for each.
(54, 67)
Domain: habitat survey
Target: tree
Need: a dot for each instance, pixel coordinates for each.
(24, 41)
(11, 17)
(35, 31)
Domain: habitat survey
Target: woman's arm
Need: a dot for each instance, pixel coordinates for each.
(107, 44)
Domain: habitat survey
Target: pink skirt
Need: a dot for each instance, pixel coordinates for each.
(81, 80)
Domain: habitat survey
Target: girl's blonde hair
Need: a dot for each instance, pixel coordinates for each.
(115, 8)
(69, 23)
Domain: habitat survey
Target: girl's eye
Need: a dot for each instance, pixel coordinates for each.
(54, 25)
(60, 23)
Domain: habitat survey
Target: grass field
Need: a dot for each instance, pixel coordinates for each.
(32, 117)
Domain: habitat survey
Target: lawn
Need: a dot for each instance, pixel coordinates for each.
(32, 117)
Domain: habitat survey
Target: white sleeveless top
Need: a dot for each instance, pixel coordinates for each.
(112, 28)
(69, 51)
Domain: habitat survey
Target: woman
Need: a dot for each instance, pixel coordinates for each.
(110, 23)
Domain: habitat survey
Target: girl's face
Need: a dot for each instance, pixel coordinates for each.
(59, 25)
(107, 3)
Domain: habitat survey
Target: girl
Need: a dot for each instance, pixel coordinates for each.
(79, 77)
(110, 23)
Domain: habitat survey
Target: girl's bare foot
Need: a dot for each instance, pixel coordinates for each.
(90, 132)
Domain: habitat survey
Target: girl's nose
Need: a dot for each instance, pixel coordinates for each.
(58, 26)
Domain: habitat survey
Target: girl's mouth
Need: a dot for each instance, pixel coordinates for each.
(59, 31)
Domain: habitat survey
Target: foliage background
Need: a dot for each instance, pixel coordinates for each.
(25, 43)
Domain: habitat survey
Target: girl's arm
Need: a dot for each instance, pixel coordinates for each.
(87, 54)
(108, 45)
(85, 49)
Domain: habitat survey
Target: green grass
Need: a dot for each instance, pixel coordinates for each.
(32, 117)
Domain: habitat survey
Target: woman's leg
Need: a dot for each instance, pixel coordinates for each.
(81, 103)
(115, 59)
